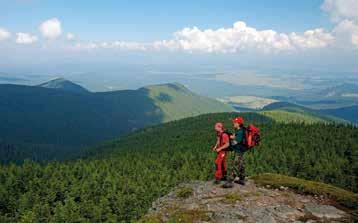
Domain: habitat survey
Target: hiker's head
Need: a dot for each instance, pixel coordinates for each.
(238, 122)
(219, 127)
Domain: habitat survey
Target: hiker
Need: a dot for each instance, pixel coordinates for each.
(239, 147)
(222, 143)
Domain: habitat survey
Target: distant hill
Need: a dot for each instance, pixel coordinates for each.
(44, 116)
(289, 112)
(65, 85)
(177, 102)
(348, 113)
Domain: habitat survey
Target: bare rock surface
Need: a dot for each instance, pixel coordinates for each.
(205, 202)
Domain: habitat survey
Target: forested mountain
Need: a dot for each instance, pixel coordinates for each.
(41, 118)
(119, 180)
(64, 85)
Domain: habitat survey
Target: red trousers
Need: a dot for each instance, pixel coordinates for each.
(221, 165)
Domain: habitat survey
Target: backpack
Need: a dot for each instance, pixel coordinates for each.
(252, 136)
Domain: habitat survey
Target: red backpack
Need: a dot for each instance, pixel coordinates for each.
(252, 136)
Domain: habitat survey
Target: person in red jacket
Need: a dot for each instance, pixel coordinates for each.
(222, 143)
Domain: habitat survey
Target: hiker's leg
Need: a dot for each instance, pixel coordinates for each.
(218, 164)
(229, 183)
(224, 167)
(235, 167)
(241, 166)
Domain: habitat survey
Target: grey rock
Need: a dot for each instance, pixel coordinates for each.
(248, 203)
(263, 215)
(324, 211)
(285, 211)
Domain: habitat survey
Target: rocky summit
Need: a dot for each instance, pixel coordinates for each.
(205, 202)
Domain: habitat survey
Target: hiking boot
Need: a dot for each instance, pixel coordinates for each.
(217, 182)
(237, 180)
(241, 182)
(228, 185)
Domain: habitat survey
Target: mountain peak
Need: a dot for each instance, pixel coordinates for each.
(200, 201)
(64, 84)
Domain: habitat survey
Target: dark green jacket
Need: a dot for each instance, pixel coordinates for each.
(239, 135)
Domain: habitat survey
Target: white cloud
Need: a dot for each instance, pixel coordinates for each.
(70, 37)
(4, 34)
(345, 14)
(51, 29)
(243, 38)
(341, 9)
(316, 38)
(87, 46)
(346, 33)
(25, 38)
(129, 45)
(122, 45)
(236, 39)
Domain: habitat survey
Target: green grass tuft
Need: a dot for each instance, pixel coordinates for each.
(343, 197)
(184, 192)
(232, 198)
(188, 216)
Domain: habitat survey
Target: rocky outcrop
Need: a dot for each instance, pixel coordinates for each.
(206, 202)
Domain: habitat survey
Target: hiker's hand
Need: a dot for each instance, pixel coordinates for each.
(214, 148)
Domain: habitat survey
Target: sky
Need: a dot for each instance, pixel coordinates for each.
(44, 35)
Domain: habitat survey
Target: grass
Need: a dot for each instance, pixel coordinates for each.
(232, 198)
(184, 192)
(343, 197)
(289, 117)
(179, 215)
(187, 216)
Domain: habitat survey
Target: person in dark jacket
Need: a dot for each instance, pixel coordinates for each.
(238, 146)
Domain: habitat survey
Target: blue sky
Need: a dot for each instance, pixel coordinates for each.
(301, 31)
(153, 20)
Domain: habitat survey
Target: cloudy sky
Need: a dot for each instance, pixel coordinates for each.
(299, 34)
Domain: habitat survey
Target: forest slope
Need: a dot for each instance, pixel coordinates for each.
(43, 119)
(119, 180)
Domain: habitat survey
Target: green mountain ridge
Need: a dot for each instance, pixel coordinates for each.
(33, 115)
(289, 112)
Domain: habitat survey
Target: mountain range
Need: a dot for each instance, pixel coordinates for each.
(63, 113)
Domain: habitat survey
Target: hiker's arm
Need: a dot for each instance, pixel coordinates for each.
(226, 145)
(232, 136)
(216, 145)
